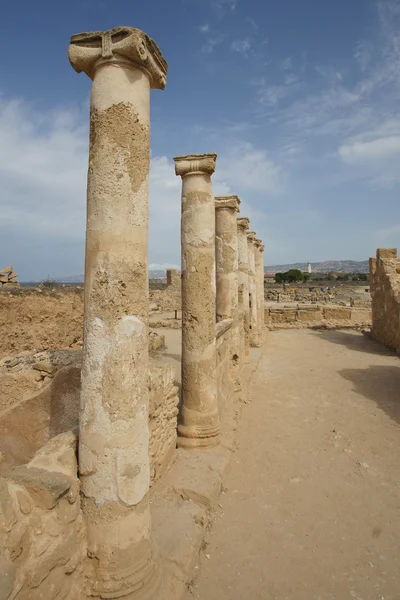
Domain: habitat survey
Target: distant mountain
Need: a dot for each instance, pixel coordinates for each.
(342, 266)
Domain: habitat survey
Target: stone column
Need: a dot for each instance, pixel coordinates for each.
(254, 334)
(243, 294)
(199, 423)
(259, 265)
(123, 63)
(226, 209)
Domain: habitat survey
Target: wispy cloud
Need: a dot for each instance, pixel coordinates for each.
(241, 46)
(224, 5)
(204, 28)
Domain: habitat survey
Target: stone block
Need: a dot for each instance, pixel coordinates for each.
(337, 314)
(283, 315)
(197, 474)
(45, 487)
(178, 529)
(309, 314)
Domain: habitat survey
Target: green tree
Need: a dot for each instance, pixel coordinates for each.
(294, 275)
(280, 277)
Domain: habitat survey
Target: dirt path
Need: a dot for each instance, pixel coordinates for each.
(311, 509)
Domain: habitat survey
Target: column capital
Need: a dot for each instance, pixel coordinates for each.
(227, 202)
(243, 224)
(121, 45)
(257, 243)
(251, 236)
(195, 163)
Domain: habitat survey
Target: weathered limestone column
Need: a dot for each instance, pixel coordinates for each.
(259, 265)
(243, 295)
(124, 63)
(254, 333)
(226, 209)
(199, 423)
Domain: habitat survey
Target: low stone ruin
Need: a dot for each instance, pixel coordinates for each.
(8, 278)
(385, 292)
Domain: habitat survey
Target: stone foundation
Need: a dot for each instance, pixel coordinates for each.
(316, 316)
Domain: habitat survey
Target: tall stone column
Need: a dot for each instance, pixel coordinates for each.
(243, 295)
(259, 266)
(199, 423)
(123, 63)
(226, 209)
(254, 334)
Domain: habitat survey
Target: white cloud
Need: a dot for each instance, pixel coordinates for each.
(204, 28)
(249, 169)
(378, 149)
(43, 166)
(241, 46)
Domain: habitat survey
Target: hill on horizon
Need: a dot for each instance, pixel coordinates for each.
(328, 266)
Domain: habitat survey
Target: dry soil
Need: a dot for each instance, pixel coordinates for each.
(311, 502)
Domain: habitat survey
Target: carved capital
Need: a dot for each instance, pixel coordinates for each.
(88, 51)
(195, 163)
(257, 243)
(243, 224)
(227, 202)
(251, 236)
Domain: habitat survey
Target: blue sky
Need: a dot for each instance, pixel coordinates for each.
(299, 98)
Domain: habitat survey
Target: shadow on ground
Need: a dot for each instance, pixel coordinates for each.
(354, 341)
(380, 384)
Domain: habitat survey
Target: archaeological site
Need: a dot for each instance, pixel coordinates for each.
(215, 437)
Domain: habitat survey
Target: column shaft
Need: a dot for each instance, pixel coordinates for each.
(259, 275)
(243, 290)
(114, 435)
(199, 423)
(254, 335)
(226, 209)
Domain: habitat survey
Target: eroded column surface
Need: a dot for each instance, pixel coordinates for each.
(259, 273)
(124, 63)
(254, 333)
(199, 423)
(226, 247)
(243, 290)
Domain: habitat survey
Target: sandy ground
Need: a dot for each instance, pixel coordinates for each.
(311, 501)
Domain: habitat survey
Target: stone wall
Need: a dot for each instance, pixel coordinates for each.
(224, 380)
(29, 424)
(163, 417)
(317, 316)
(42, 540)
(38, 321)
(385, 293)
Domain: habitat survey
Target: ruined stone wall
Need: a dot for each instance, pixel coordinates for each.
(29, 423)
(37, 321)
(224, 380)
(317, 316)
(163, 417)
(42, 534)
(385, 293)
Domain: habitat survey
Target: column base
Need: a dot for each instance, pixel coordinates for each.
(198, 430)
(121, 566)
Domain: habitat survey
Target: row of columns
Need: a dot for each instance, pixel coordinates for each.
(124, 64)
(222, 280)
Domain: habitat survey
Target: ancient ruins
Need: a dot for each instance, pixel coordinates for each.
(118, 403)
(119, 406)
